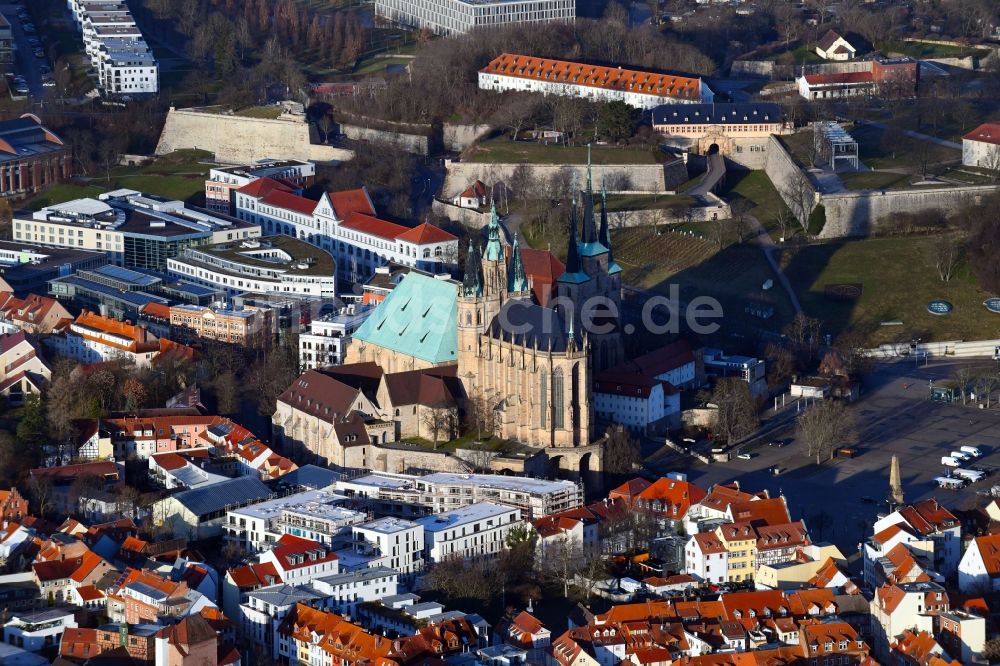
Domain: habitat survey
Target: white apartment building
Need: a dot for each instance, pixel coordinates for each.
(706, 558)
(38, 630)
(325, 340)
(222, 181)
(475, 530)
(398, 543)
(446, 17)
(314, 514)
(638, 402)
(261, 614)
(345, 225)
(121, 60)
(643, 90)
(134, 230)
(271, 265)
(444, 491)
(930, 520)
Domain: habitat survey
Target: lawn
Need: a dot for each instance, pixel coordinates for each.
(875, 180)
(62, 192)
(757, 188)
(898, 281)
(503, 150)
(804, 54)
(879, 151)
(648, 201)
(375, 65)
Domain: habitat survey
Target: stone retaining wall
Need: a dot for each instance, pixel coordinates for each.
(648, 178)
(413, 143)
(240, 140)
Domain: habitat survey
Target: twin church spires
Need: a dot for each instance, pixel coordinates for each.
(588, 255)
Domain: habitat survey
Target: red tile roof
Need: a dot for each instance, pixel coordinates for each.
(255, 575)
(423, 234)
(985, 133)
(262, 187)
(989, 550)
(289, 201)
(373, 226)
(351, 201)
(89, 593)
(842, 77)
(294, 552)
(595, 76)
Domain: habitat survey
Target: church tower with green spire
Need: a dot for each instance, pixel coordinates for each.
(593, 279)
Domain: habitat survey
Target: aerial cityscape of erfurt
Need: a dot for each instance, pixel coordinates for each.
(499, 332)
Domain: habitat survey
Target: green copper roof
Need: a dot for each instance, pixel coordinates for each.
(494, 248)
(472, 283)
(516, 280)
(416, 318)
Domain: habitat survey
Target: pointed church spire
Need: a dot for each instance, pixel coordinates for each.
(494, 248)
(472, 282)
(588, 233)
(590, 181)
(604, 237)
(571, 338)
(572, 251)
(516, 280)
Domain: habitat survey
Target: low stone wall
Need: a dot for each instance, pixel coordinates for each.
(413, 143)
(752, 69)
(860, 213)
(647, 178)
(402, 460)
(240, 140)
(468, 217)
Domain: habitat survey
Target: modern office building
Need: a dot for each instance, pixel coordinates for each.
(31, 156)
(28, 268)
(447, 17)
(272, 265)
(133, 229)
(113, 291)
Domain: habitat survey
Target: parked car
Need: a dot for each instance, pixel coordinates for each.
(948, 461)
(745, 456)
(847, 452)
(49, 82)
(777, 443)
(971, 450)
(39, 53)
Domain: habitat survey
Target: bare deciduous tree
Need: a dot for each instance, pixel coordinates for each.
(946, 254)
(621, 451)
(800, 196)
(737, 409)
(824, 427)
(440, 420)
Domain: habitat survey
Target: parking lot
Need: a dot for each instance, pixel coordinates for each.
(26, 63)
(839, 500)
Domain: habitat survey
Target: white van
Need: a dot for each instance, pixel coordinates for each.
(958, 455)
(949, 461)
(972, 451)
(970, 474)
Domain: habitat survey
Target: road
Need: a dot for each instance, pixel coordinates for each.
(25, 63)
(894, 417)
(768, 247)
(715, 171)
